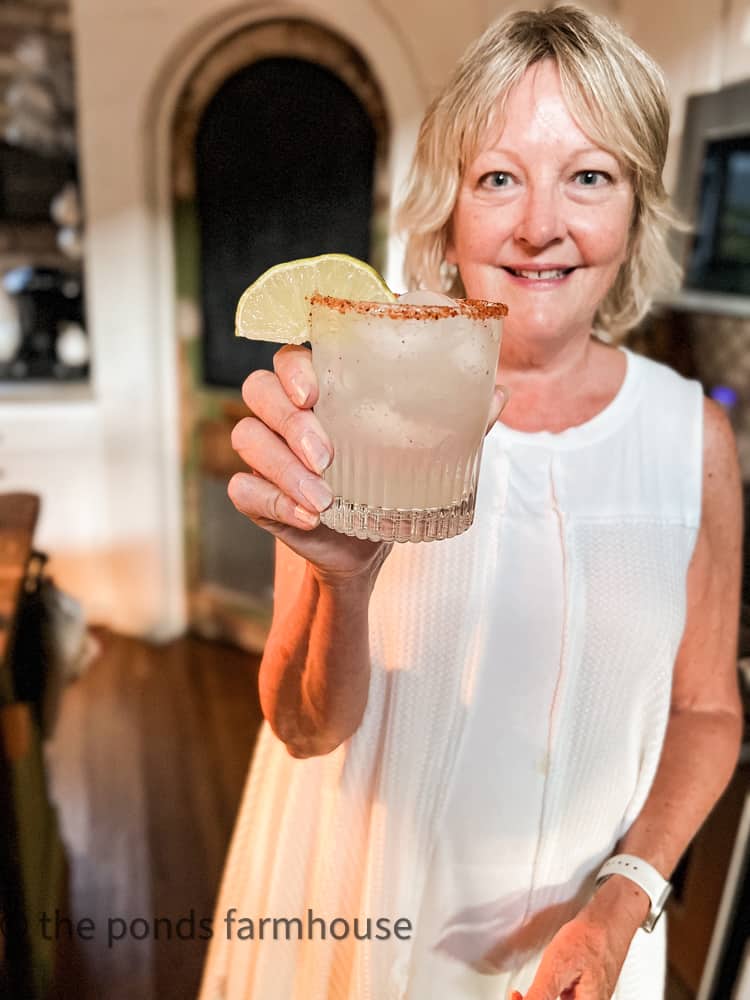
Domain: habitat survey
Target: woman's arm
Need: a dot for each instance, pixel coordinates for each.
(701, 744)
(315, 669)
(704, 731)
(315, 672)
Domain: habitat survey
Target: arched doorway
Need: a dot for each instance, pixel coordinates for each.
(279, 151)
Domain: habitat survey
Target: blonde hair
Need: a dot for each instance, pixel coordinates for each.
(617, 95)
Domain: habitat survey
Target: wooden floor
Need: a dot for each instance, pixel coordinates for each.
(148, 761)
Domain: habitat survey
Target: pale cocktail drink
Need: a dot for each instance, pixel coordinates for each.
(404, 394)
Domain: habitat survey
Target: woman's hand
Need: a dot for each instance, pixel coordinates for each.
(583, 960)
(287, 451)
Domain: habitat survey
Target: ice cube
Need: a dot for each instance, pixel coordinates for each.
(389, 427)
(424, 297)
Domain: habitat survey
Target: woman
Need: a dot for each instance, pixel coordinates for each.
(458, 735)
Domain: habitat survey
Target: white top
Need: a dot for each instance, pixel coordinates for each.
(519, 696)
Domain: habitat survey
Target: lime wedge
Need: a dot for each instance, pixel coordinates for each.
(275, 307)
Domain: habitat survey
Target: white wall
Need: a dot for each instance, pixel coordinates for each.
(112, 497)
(701, 45)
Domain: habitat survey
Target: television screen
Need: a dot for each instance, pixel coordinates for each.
(720, 257)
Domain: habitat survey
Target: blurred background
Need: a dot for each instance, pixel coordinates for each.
(155, 157)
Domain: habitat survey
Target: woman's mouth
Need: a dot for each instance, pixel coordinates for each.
(537, 274)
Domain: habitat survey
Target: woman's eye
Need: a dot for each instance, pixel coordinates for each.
(592, 178)
(496, 179)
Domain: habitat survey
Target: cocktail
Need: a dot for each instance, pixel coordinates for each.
(405, 391)
(405, 387)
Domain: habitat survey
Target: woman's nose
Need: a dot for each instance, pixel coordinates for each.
(541, 217)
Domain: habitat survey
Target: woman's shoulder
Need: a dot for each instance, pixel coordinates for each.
(657, 372)
(622, 366)
(670, 429)
(668, 397)
(654, 399)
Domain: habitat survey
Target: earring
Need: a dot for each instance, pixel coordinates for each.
(448, 275)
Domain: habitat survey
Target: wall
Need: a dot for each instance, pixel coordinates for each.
(701, 45)
(124, 557)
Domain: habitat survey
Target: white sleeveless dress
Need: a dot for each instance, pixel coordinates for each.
(520, 687)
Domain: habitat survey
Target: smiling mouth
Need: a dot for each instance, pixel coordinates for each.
(537, 275)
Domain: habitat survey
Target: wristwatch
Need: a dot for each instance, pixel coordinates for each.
(644, 875)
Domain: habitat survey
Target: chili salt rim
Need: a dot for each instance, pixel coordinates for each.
(472, 308)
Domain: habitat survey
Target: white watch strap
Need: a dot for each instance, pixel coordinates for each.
(644, 875)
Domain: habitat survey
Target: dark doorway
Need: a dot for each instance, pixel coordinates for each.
(285, 158)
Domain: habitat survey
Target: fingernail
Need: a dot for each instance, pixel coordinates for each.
(305, 517)
(299, 390)
(316, 491)
(315, 451)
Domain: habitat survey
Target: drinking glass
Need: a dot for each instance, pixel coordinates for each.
(404, 395)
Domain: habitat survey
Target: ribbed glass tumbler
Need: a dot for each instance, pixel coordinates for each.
(405, 392)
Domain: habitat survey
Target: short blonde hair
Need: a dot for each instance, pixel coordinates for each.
(617, 95)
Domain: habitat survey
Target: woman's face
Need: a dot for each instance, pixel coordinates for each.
(542, 216)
